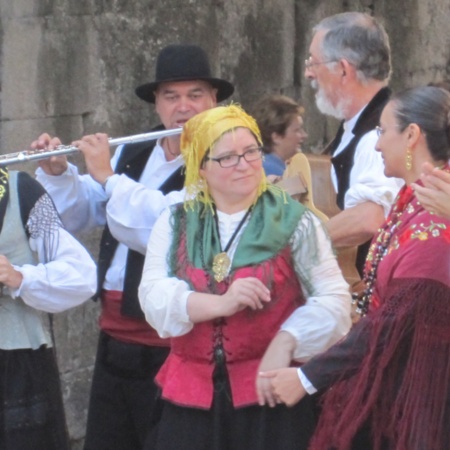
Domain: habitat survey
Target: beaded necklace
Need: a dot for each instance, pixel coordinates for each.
(379, 249)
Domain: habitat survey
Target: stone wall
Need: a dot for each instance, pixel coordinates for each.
(70, 67)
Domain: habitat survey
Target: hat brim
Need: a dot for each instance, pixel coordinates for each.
(146, 91)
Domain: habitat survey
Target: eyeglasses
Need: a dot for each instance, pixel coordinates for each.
(250, 155)
(379, 131)
(309, 62)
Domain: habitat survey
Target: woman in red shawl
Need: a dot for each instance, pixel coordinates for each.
(390, 377)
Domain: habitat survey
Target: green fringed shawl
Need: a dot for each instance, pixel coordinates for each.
(272, 222)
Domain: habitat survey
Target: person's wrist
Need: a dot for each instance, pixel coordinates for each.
(15, 281)
(103, 183)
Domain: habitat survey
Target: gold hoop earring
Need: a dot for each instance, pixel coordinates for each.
(408, 159)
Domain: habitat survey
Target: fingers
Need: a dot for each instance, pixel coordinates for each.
(265, 392)
(286, 385)
(96, 151)
(8, 275)
(268, 374)
(444, 176)
(265, 389)
(56, 165)
(422, 193)
(433, 199)
(433, 177)
(91, 141)
(45, 141)
(437, 180)
(253, 298)
(244, 293)
(250, 292)
(427, 168)
(255, 287)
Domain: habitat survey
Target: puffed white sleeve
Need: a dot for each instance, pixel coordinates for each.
(163, 298)
(80, 200)
(65, 275)
(367, 179)
(325, 317)
(130, 228)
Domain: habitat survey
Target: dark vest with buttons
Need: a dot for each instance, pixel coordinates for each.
(343, 162)
(132, 162)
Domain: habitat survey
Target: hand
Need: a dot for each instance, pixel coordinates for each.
(434, 195)
(244, 292)
(95, 148)
(286, 385)
(8, 275)
(278, 355)
(55, 165)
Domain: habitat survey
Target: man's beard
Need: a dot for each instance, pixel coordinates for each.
(324, 104)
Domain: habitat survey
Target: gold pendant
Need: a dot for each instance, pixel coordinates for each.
(221, 264)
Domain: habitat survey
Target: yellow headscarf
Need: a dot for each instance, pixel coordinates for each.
(199, 136)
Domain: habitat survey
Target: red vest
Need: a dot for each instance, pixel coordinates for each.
(186, 376)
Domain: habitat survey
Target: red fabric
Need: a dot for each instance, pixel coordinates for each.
(126, 329)
(402, 389)
(186, 376)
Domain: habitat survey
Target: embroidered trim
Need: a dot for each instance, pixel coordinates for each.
(4, 180)
(44, 222)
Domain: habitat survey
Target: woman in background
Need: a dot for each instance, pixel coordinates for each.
(280, 121)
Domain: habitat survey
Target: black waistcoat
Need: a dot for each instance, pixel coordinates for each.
(343, 163)
(132, 162)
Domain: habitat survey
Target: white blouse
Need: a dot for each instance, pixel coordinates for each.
(318, 324)
(66, 281)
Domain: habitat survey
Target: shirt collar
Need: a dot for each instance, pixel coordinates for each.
(350, 124)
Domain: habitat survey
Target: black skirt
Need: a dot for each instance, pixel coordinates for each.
(31, 409)
(224, 427)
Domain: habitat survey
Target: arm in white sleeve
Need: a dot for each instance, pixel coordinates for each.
(79, 199)
(367, 179)
(132, 210)
(163, 299)
(325, 317)
(307, 385)
(66, 280)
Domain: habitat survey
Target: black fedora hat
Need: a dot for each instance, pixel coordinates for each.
(183, 63)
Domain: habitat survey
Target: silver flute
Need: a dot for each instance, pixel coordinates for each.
(34, 155)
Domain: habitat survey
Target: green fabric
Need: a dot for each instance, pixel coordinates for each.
(272, 222)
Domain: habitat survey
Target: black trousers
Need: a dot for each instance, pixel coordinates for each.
(123, 401)
(31, 408)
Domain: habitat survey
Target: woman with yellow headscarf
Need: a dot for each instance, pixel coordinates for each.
(242, 279)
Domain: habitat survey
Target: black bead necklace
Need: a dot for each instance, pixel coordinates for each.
(221, 261)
